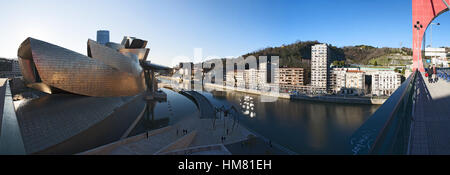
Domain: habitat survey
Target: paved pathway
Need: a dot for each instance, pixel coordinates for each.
(206, 135)
(156, 142)
(148, 146)
(431, 122)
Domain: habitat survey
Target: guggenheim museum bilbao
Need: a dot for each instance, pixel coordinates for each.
(51, 69)
(88, 101)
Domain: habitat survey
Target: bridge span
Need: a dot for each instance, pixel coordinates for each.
(206, 108)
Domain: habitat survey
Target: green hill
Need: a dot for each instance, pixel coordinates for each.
(298, 54)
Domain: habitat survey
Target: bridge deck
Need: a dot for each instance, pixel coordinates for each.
(431, 121)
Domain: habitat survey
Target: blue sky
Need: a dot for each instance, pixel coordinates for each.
(220, 27)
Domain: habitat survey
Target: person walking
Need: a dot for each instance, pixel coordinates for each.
(430, 73)
(434, 74)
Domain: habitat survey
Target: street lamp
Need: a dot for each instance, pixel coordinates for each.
(431, 39)
(418, 26)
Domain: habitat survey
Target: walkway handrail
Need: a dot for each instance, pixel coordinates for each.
(387, 131)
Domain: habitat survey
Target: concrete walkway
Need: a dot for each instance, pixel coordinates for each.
(431, 121)
(206, 135)
(155, 142)
(148, 146)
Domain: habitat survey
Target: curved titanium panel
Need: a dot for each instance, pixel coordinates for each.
(54, 119)
(140, 53)
(26, 62)
(115, 46)
(27, 68)
(126, 41)
(114, 59)
(76, 73)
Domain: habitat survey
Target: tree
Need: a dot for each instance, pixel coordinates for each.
(339, 63)
(375, 63)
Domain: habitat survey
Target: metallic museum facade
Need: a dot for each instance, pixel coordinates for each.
(108, 70)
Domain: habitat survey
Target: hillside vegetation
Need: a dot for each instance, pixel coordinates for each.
(298, 54)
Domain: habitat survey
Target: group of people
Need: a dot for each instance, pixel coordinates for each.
(223, 138)
(431, 74)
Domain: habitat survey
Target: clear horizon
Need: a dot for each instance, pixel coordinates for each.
(221, 28)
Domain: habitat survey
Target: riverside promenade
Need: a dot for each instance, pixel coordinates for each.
(200, 132)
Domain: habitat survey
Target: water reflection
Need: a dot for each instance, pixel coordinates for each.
(317, 126)
(247, 106)
(148, 121)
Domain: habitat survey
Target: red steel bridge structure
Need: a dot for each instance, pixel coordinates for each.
(423, 13)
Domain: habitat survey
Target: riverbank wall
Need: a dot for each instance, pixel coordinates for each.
(340, 99)
(316, 98)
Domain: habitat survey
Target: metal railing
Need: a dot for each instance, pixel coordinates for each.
(387, 131)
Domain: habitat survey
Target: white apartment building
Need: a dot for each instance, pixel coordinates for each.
(347, 80)
(385, 82)
(320, 57)
(337, 79)
(240, 81)
(230, 79)
(252, 80)
(355, 81)
(186, 71)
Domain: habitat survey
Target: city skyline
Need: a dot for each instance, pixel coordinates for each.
(223, 29)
